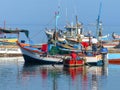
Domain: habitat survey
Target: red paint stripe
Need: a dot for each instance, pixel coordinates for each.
(114, 61)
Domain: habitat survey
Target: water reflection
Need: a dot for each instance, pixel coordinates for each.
(59, 77)
(87, 77)
(43, 70)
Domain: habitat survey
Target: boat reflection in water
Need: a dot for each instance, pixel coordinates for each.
(58, 77)
(86, 77)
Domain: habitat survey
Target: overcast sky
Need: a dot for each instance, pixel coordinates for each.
(42, 11)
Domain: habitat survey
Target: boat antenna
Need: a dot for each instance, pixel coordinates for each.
(98, 20)
(4, 24)
(56, 21)
(57, 15)
(77, 23)
(4, 27)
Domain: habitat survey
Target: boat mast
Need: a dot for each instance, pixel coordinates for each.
(4, 35)
(18, 34)
(77, 23)
(98, 20)
(100, 29)
(78, 26)
(56, 21)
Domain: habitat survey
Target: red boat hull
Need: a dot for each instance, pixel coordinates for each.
(73, 63)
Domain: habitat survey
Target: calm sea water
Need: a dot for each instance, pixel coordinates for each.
(18, 76)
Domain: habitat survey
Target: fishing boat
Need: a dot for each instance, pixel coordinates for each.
(8, 46)
(88, 58)
(111, 44)
(86, 54)
(73, 61)
(115, 36)
(114, 43)
(72, 33)
(39, 56)
(7, 35)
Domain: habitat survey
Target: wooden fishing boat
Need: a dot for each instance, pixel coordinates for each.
(8, 46)
(89, 56)
(88, 59)
(72, 34)
(39, 56)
